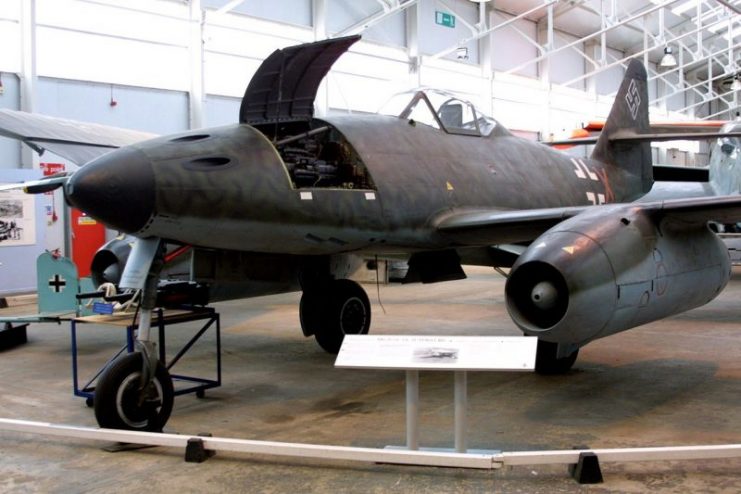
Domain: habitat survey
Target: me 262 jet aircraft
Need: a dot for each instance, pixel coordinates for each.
(282, 201)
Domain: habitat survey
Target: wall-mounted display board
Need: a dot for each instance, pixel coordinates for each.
(22, 233)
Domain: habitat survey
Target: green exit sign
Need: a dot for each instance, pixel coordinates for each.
(444, 19)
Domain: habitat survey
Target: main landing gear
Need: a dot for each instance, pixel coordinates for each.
(332, 310)
(335, 308)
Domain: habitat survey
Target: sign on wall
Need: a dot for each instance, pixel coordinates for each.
(17, 219)
(444, 19)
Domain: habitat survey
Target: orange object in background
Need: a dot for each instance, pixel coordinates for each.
(88, 235)
(575, 134)
(710, 125)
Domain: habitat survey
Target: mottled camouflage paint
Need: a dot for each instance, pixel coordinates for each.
(421, 174)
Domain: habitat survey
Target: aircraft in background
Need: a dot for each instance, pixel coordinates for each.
(285, 201)
(722, 175)
(594, 127)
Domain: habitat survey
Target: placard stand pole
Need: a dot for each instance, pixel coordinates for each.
(412, 387)
(461, 404)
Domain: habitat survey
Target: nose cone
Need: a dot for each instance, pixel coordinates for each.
(117, 188)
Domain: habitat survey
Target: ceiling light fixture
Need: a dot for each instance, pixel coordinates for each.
(736, 84)
(668, 59)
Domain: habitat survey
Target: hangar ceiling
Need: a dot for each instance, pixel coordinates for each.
(703, 36)
(703, 27)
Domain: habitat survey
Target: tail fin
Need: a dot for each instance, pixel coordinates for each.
(629, 115)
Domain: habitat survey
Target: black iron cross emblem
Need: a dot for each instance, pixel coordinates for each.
(57, 283)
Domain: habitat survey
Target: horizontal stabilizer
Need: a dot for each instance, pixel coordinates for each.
(680, 174)
(630, 136)
(578, 141)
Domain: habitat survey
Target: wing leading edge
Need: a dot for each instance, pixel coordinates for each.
(484, 228)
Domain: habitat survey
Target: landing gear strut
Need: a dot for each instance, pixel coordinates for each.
(548, 362)
(135, 392)
(338, 308)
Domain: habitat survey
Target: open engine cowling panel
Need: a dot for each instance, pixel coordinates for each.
(317, 155)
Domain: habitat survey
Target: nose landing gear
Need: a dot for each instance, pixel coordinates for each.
(123, 401)
(136, 392)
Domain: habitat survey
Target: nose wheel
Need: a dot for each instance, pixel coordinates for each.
(336, 309)
(122, 401)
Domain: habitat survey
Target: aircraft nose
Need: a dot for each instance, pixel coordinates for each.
(117, 188)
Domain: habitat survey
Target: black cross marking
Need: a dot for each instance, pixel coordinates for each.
(57, 283)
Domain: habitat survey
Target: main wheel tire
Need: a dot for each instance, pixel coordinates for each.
(548, 364)
(117, 396)
(347, 311)
(310, 311)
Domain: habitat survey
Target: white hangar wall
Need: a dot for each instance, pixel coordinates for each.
(10, 150)
(152, 110)
(146, 44)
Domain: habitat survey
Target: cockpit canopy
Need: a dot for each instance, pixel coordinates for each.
(442, 110)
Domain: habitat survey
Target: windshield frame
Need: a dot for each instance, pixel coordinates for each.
(421, 95)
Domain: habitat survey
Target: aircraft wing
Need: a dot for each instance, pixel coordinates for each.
(500, 227)
(77, 141)
(503, 226)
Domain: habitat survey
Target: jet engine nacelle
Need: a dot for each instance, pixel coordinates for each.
(612, 269)
(109, 261)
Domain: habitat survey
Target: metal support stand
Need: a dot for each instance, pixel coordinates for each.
(197, 385)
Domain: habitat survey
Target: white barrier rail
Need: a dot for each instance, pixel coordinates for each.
(374, 455)
(667, 453)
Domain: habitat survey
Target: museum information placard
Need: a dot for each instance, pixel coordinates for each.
(457, 353)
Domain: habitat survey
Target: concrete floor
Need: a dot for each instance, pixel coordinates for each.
(675, 382)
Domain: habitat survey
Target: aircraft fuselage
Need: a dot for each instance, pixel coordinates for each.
(228, 187)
